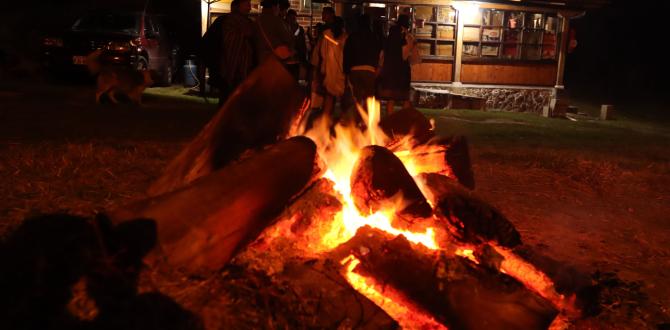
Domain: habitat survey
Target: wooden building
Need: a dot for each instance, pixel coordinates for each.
(506, 55)
(305, 9)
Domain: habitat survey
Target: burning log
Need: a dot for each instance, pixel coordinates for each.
(447, 156)
(330, 302)
(257, 114)
(203, 224)
(405, 122)
(410, 122)
(458, 159)
(474, 220)
(378, 177)
(451, 289)
(568, 280)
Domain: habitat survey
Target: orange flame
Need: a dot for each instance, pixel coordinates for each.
(467, 253)
(340, 153)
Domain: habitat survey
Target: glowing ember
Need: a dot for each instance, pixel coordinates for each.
(349, 220)
(407, 316)
(467, 253)
(534, 279)
(340, 154)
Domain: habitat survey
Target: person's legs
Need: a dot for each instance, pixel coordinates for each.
(363, 83)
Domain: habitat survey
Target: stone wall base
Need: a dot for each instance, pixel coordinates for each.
(506, 98)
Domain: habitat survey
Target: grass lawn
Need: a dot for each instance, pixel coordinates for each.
(181, 93)
(586, 132)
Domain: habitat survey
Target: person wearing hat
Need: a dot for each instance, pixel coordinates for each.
(272, 37)
(395, 75)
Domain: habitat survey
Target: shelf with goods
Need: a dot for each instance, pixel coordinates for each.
(510, 35)
(435, 30)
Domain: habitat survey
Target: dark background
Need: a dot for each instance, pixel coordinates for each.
(620, 58)
(24, 23)
(621, 55)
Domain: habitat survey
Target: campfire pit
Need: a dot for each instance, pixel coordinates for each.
(387, 209)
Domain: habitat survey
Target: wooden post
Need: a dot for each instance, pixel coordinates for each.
(606, 112)
(563, 50)
(459, 50)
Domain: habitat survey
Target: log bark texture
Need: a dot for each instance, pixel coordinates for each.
(452, 289)
(475, 220)
(378, 177)
(257, 114)
(202, 225)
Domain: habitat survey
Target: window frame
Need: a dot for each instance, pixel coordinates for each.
(524, 41)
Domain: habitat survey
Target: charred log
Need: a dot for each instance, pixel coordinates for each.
(406, 122)
(458, 159)
(568, 279)
(378, 177)
(449, 156)
(330, 298)
(452, 289)
(257, 114)
(474, 220)
(203, 224)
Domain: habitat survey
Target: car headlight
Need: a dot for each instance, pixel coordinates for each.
(118, 46)
(52, 42)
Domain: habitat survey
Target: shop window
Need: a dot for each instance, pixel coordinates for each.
(434, 28)
(487, 33)
(493, 33)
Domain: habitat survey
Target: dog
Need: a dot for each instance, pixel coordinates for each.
(118, 80)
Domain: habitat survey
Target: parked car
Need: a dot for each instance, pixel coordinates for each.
(134, 39)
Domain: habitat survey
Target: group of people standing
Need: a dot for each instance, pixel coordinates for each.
(339, 66)
(235, 44)
(366, 63)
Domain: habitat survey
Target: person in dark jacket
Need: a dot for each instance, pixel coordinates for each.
(237, 59)
(395, 74)
(228, 49)
(272, 36)
(299, 38)
(361, 57)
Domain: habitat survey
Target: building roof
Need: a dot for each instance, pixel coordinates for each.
(558, 4)
(585, 4)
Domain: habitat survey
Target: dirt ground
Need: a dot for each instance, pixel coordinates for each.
(600, 222)
(604, 210)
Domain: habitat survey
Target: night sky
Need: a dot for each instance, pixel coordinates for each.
(619, 57)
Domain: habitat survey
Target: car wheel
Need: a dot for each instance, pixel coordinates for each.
(141, 64)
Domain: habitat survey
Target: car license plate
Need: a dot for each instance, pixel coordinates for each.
(79, 60)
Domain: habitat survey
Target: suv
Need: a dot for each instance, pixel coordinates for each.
(133, 39)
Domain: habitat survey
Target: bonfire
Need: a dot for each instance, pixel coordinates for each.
(382, 203)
